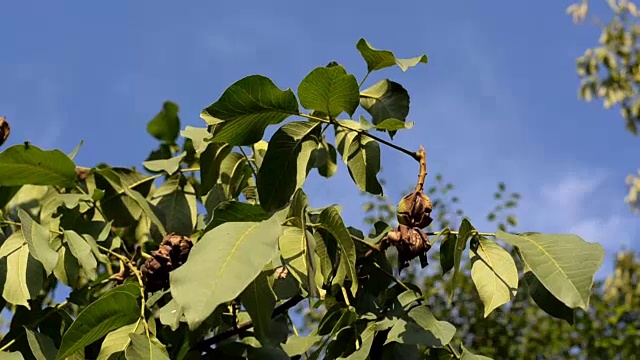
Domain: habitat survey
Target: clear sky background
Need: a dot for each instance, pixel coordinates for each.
(497, 101)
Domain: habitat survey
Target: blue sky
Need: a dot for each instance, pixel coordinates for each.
(497, 101)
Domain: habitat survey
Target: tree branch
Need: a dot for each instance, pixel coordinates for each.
(205, 345)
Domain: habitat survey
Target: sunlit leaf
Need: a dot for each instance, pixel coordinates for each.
(464, 232)
(259, 300)
(118, 341)
(27, 273)
(329, 90)
(81, 250)
(109, 312)
(41, 345)
(145, 347)
(37, 237)
(233, 254)
(170, 166)
(297, 247)
(198, 137)
(468, 355)
(380, 59)
(564, 264)
(27, 164)
(386, 100)
(494, 274)
(297, 345)
(247, 107)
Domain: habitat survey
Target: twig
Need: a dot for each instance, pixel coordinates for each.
(205, 345)
(414, 155)
(423, 169)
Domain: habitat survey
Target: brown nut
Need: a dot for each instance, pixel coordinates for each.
(414, 210)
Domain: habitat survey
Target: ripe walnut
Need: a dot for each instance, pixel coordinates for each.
(172, 253)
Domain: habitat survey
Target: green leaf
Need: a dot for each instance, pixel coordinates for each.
(210, 164)
(27, 164)
(468, 355)
(441, 332)
(177, 212)
(198, 136)
(298, 345)
(259, 300)
(27, 273)
(287, 163)
(447, 248)
(11, 355)
(380, 59)
(235, 211)
(41, 345)
(362, 156)
(326, 159)
(297, 247)
(330, 90)
(68, 268)
(170, 166)
(494, 274)
(232, 255)
(386, 100)
(564, 264)
(144, 347)
(81, 250)
(388, 124)
(37, 237)
(170, 314)
(118, 341)
(109, 312)
(546, 301)
(166, 125)
(464, 232)
(74, 152)
(247, 107)
(330, 220)
(366, 340)
(234, 174)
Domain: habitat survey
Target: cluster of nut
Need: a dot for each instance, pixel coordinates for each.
(414, 214)
(172, 253)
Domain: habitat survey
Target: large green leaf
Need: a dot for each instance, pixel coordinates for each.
(210, 163)
(297, 247)
(118, 341)
(247, 107)
(68, 268)
(464, 232)
(170, 166)
(27, 164)
(145, 347)
(494, 274)
(232, 255)
(329, 90)
(330, 220)
(447, 248)
(385, 100)
(564, 264)
(27, 273)
(166, 125)
(37, 237)
(82, 251)
(287, 163)
(111, 311)
(380, 59)
(41, 345)
(259, 300)
(235, 211)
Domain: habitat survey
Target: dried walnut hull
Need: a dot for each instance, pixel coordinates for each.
(172, 253)
(410, 243)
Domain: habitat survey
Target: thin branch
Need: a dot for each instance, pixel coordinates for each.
(205, 345)
(255, 173)
(423, 169)
(413, 155)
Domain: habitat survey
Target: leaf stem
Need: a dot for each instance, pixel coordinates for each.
(255, 173)
(364, 79)
(412, 154)
(474, 232)
(453, 351)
